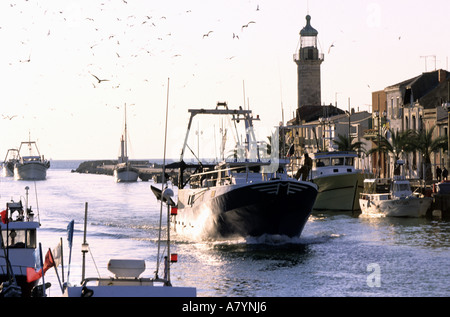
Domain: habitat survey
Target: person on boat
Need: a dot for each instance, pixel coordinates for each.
(444, 174)
(305, 169)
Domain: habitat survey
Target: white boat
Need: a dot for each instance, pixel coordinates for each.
(127, 280)
(12, 156)
(247, 197)
(18, 243)
(32, 166)
(392, 198)
(339, 183)
(124, 171)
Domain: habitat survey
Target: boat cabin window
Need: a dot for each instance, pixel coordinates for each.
(322, 162)
(400, 187)
(337, 161)
(349, 161)
(19, 238)
(376, 188)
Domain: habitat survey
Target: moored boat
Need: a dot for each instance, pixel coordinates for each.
(392, 198)
(241, 197)
(18, 243)
(339, 183)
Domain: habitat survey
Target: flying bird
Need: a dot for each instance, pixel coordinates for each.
(99, 80)
(329, 49)
(207, 34)
(246, 25)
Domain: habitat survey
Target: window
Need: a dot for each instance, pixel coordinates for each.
(392, 107)
(19, 238)
(337, 161)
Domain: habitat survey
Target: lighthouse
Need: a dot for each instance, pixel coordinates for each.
(308, 60)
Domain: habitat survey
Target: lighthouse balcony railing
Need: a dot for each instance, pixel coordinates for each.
(296, 57)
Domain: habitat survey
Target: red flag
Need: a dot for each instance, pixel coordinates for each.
(33, 275)
(48, 263)
(4, 215)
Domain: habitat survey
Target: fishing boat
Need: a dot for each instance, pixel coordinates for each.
(392, 197)
(32, 166)
(18, 243)
(124, 171)
(339, 183)
(12, 156)
(240, 197)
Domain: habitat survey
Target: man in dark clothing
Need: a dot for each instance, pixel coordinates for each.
(438, 173)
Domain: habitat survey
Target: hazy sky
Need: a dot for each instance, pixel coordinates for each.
(51, 48)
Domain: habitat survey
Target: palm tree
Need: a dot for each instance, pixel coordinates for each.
(425, 144)
(345, 143)
(401, 142)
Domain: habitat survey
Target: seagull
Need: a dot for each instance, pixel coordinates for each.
(100, 80)
(246, 25)
(9, 117)
(26, 60)
(235, 36)
(332, 45)
(207, 34)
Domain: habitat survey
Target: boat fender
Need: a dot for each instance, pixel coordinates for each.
(86, 292)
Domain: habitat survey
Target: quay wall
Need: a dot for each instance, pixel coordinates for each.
(147, 171)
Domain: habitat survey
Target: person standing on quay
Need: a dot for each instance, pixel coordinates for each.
(438, 173)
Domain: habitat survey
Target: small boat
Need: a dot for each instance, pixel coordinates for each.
(32, 166)
(392, 198)
(339, 183)
(241, 197)
(124, 171)
(127, 280)
(18, 243)
(12, 156)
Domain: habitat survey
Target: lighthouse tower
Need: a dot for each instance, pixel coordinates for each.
(308, 62)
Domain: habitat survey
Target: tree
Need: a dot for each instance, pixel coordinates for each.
(401, 142)
(345, 143)
(424, 142)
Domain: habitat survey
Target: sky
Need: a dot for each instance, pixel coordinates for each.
(192, 54)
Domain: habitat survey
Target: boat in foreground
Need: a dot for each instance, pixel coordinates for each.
(18, 241)
(32, 166)
(392, 198)
(242, 197)
(339, 183)
(127, 280)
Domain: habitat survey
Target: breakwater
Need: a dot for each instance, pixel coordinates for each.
(147, 170)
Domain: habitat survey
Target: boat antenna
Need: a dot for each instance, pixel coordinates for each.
(163, 181)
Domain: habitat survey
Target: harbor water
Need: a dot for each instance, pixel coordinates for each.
(336, 255)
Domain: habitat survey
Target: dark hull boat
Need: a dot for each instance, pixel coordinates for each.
(252, 210)
(241, 198)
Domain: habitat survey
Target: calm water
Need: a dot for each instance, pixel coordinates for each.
(337, 255)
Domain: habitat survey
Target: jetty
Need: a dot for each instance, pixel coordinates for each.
(147, 170)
